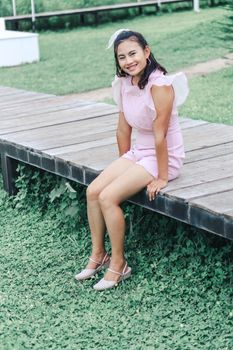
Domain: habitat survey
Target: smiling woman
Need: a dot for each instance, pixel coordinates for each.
(147, 101)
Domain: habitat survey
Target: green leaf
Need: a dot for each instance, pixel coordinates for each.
(70, 188)
(71, 211)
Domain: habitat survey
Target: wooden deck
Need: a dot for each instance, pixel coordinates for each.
(76, 139)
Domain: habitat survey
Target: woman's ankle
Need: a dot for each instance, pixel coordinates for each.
(98, 254)
(118, 262)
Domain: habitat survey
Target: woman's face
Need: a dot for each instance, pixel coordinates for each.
(132, 57)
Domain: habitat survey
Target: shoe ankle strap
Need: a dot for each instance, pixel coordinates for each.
(95, 261)
(100, 263)
(125, 268)
(119, 273)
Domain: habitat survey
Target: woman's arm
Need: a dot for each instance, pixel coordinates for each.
(123, 134)
(163, 97)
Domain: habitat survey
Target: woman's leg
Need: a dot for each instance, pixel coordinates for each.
(95, 216)
(130, 182)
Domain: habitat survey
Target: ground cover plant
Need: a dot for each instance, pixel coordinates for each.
(180, 295)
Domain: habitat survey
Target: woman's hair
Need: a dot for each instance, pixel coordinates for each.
(151, 65)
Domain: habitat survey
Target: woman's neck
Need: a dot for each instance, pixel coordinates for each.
(135, 80)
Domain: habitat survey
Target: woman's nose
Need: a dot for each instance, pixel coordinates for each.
(129, 60)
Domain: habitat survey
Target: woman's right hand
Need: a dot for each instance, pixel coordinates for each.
(154, 187)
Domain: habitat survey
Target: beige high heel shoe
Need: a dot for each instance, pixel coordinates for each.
(104, 284)
(88, 273)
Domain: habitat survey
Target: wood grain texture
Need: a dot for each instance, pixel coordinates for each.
(220, 203)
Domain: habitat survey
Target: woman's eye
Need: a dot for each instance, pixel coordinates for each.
(132, 53)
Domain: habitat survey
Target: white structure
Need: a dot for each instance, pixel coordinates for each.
(2, 24)
(17, 47)
(14, 7)
(196, 6)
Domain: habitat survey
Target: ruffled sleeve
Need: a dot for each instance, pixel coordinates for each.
(179, 83)
(117, 92)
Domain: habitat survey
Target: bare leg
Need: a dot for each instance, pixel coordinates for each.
(130, 182)
(95, 216)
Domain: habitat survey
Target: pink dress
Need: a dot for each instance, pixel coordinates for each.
(140, 112)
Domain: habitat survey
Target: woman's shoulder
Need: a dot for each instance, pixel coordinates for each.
(157, 73)
(156, 76)
(177, 80)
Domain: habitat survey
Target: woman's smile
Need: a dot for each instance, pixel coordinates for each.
(132, 67)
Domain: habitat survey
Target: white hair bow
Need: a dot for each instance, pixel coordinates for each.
(114, 36)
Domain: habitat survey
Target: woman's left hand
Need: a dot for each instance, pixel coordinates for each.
(154, 187)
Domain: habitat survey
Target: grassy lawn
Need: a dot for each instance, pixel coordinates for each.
(75, 61)
(211, 97)
(179, 297)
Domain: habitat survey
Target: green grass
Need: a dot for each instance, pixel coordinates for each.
(179, 296)
(76, 60)
(211, 97)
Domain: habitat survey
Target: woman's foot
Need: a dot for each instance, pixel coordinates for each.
(113, 277)
(97, 262)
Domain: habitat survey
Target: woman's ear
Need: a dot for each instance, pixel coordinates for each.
(147, 51)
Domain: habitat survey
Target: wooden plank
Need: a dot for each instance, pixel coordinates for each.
(209, 152)
(4, 94)
(190, 123)
(54, 118)
(70, 150)
(63, 134)
(38, 108)
(201, 190)
(202, 171)
(20, 96)
(9, 90)
(207, 135)
(217, 203)
(21, 99)
(96, 158)
(49, 106)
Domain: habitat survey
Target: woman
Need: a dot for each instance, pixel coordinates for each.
(147, 101)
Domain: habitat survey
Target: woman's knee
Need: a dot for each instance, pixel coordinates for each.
(92, 192)
(106, 199)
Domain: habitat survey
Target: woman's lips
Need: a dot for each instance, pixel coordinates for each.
(132, 67)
